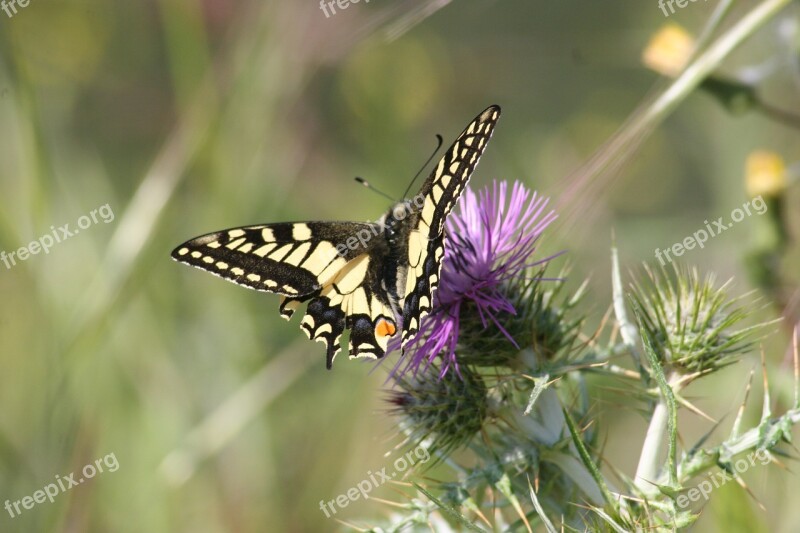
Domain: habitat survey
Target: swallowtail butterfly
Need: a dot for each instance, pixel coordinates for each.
(376, 279)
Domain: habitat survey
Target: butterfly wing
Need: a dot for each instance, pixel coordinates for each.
(292, 259)
(354, 299)
(334, 266)
(438, 195)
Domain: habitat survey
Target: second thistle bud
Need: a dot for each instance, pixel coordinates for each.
(444, 413)
(694, 326)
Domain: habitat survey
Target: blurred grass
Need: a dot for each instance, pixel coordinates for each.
(187, 117)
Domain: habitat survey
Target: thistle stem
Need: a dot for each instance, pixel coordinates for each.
(650, 114)
(707, 61)
(647, 472)
(752, 439)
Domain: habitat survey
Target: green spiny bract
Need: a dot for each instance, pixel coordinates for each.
(694, 326)
(543, 323)
(444, 413)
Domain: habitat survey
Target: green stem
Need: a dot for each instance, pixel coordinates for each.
(708, 60)
(693, 75)
(750, 440)
(720, 12)
(779, 115)
(662, 429)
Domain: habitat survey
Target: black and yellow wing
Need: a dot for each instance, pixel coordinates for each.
(426, 237)
(322, 263)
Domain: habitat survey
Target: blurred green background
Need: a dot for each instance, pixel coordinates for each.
(191, 116)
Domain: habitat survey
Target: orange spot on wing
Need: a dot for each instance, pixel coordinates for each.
(385, 328)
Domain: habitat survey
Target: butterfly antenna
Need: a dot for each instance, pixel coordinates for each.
(438, 146)
(367, 184)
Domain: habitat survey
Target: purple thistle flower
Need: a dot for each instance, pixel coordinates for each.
(491, 237)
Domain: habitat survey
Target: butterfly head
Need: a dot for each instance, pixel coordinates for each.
(393, 220)
(399, 211)
(400, 215)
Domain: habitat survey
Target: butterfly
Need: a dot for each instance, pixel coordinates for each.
(375, 279)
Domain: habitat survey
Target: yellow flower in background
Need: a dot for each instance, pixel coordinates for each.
(668, 50)
(765, 174)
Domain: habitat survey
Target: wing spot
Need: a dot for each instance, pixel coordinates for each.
(222, 265)
(359, 302)
(214, 244)
(385, 328)
(197, 255)
(440, 167)
(236, 271)
(208, 260)
(301, 232)
(264, 250)
(298, 255)
(428, 211)
(281, 252)
(183, 251)
(246, 248)
(234, 233)
(267, 235)
(254, 277)
(235, 244)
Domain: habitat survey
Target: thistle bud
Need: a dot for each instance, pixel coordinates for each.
(694, 326)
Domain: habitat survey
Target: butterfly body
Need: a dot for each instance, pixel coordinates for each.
(375, 279)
